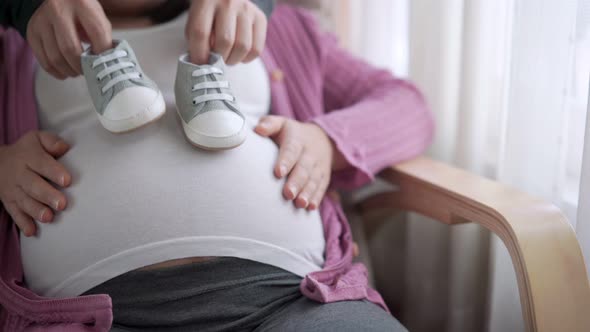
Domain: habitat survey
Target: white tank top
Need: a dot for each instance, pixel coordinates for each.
(149, 196)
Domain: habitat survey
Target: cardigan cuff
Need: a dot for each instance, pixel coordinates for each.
(355, 175)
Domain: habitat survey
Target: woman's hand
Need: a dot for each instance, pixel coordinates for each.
(56, 28)
(25, 169)
(236, 29)
(306, 154)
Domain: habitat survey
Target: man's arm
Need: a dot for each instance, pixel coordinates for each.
(17, 13)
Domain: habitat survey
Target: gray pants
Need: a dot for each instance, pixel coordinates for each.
(230, 294)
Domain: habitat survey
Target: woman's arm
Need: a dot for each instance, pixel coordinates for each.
(373, 118)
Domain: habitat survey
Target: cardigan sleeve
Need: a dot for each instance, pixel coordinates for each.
(375, 119)
(17, 13)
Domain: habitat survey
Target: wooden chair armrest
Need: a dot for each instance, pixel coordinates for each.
(552, 280)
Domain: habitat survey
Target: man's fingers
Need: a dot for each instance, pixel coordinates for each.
(63, 62)
(38, 188)
(198, 31)
(33, 208)
(37, 47)
(224, 31)
(45, 49)
(258, 37)
(243, 41)
(96, 26)
(21, 219)
(69, 44)
(53, 144)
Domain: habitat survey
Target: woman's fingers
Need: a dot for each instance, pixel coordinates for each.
(21, 219)
(290, 148)
(24, 192)
(243, 41)
(299, 177)
(53, 144)
(44, 165)
(304, 198)
(39, 189)
(289, 153)
(33, 208)
(302, 156)
(317, 197)
(270, 125)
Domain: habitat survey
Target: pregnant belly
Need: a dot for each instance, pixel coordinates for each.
(151, 186)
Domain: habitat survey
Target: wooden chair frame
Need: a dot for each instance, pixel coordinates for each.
(552, 280)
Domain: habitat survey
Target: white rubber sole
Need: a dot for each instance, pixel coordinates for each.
(210, 142)
(141, 119)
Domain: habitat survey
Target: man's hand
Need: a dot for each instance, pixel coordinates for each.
(305, 154)
(26, 167)
(56, 29)
(236, 29)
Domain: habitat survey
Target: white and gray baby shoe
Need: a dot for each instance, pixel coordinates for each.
(123, 96)
(208, 109)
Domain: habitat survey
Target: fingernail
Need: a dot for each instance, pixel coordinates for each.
(304, 199)
(292, 190)
(43, 214)
(263, 124)
(282, 170)
(56, 204)
(62, 180)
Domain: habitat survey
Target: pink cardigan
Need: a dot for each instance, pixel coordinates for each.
(375, 120)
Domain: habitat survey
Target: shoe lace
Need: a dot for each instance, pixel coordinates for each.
(210, 85)
(113, 67)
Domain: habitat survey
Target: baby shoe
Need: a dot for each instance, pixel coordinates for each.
(123, 96)
(210, 116)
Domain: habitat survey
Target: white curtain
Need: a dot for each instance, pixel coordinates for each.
(581, 83)
(583, 226)
(501, 78)
(457, 58)
(499, 83)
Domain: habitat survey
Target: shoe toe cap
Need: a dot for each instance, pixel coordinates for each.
(217, 123)
(130, 102)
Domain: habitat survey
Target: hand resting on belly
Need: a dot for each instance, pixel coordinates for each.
(29, 170)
